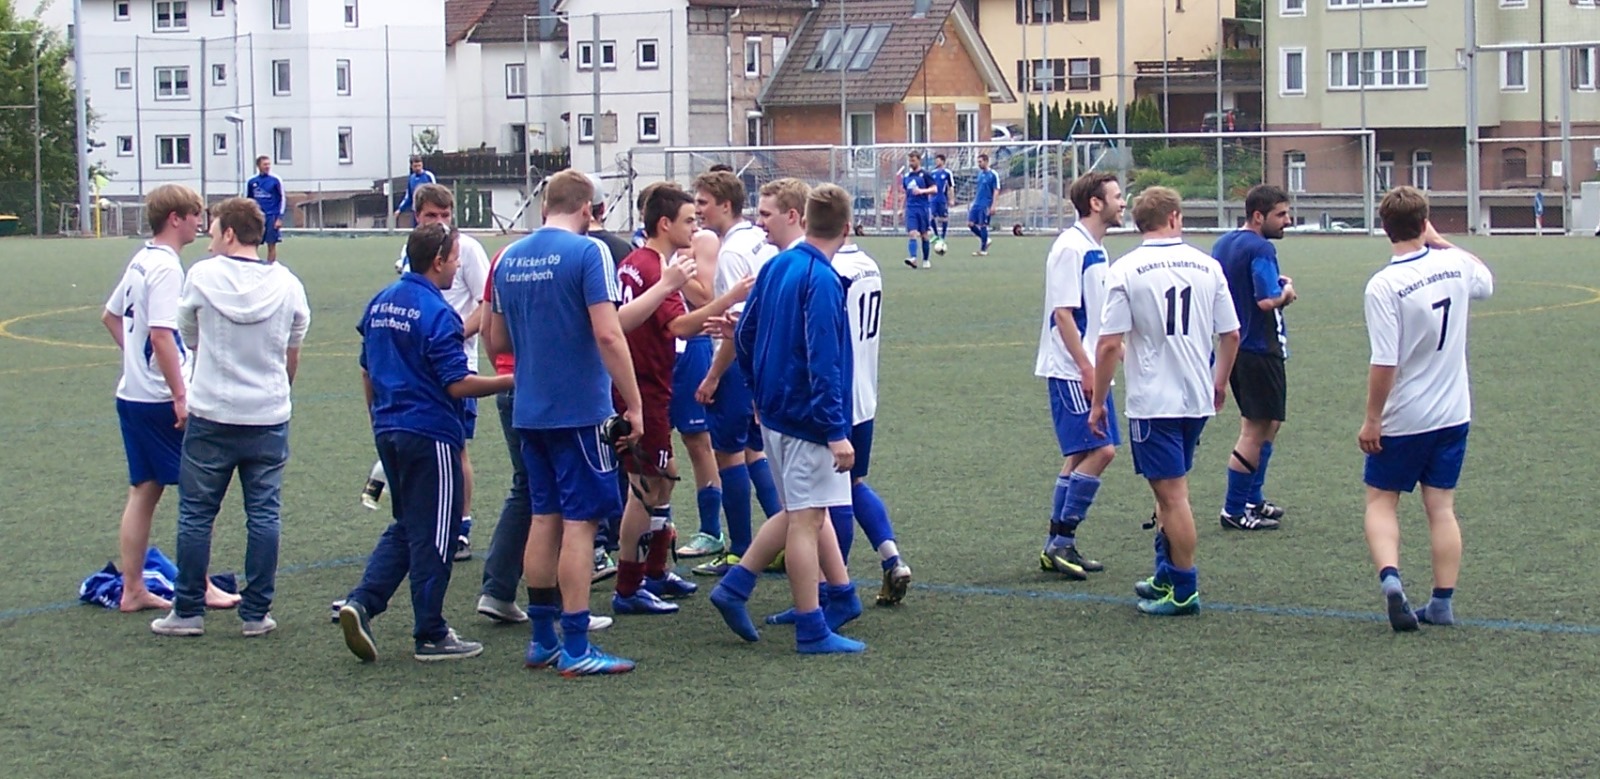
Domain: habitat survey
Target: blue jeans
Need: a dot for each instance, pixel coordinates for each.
(502, 569)
(212, 451)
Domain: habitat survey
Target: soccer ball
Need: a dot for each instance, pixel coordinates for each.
(400, 266)
(939, 246)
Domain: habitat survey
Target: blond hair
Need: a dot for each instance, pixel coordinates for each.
(788, 194)
(828, 213)
(1154, 207)
(568, 192)
(169, 199)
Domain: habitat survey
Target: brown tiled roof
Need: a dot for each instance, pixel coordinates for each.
(460, 16)
(503, 22)
(890, 76)
(795, 4)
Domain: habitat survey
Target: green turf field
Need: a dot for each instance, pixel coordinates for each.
(990, 668)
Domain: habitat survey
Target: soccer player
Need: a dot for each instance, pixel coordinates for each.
(152, 396)
(1166, 299)
(414, 371)
(942, 181)
(981, 211)
(605, 537)
(555, 310)
(735, 435)
(1260, 387)
(1419, 400)
(418, 177)
(918, 189)
(1074, 284)
(267, 190)
(247, 318)
(794, 342)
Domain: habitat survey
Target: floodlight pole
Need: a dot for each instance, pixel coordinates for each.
(1221, 164)
(81, 105)
(844, 108)
(1470, 53)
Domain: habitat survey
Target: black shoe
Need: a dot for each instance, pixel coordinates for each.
(357, 627)
(1266, 509)
(1249, 520)
(1401, 617)
(1073, 555)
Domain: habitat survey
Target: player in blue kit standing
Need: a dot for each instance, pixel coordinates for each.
(942, 181)
(267, 190)
(985, 188)
(917, 187)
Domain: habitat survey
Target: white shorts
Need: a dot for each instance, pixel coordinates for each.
(805, 475)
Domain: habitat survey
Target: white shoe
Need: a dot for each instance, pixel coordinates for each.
(174, 625)
(503, 611)
(599, 622)
(927, 264)
(911, 262)
(260, 627)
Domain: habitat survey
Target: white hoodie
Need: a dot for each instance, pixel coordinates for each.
(241, 317)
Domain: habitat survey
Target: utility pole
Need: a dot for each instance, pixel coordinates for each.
(80, 99)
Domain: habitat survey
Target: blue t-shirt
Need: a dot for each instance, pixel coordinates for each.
(267, 190)
(1251, 264)
(941, 178)
(544, 285)
(988, 183)
(916, 179)
(412, 349)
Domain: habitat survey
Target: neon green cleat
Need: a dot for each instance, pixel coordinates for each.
(1167, 606)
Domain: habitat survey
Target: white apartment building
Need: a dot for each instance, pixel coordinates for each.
(509, 81)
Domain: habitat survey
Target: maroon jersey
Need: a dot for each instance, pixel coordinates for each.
(652, 344)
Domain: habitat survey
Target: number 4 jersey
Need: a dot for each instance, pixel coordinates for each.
(1169, 298)
(864, 299)
(1416, 309)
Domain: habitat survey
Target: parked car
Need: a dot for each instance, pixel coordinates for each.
(1230, 120)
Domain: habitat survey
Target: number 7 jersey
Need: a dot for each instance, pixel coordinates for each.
(864, 299)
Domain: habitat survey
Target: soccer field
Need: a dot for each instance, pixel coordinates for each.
(990, 667)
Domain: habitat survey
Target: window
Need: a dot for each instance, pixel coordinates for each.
(1042, 75)
(916, 127)
(280, 77)
(585, 128)
(649, 54)
(1040, 11)
(347, 146)
(967, 127)
(1293, 70)
(341, 76)
(649, 128)
(517, 134)
(1513, 164)
(1378, 69)
(1292, 8)
(825, 47)
(352, 17)
(868, 51)
(752, 130)
(752, 57)
(124, 146)
(219, 74)
(124, 78)
(853, 36)
(172, 151)
(1513, 3)
(608, 55)
(219, 7)
(1383, 180)
(516, 80)
(1422, 169)
(1341, 4)
(863, 132)
(1513, 71)
(1083, 11)
(172, 83)
(856, 49)
(1083, 74)
(219, 143)
(172, 16)
(1294, 163)
(282, 14)
(780, 47)
(122, 11)
(282, 146)
(1584, 68)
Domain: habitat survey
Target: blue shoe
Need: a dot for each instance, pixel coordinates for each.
(1169, 606)
(734, 613)
(841, 611)
(831, 644)
(541, 656)
(641, 602)
(785, 617)
(1401, 617)
(592, 663)
(671, 587)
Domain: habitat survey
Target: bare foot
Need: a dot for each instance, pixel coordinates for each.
(143, 600)
(217, 599)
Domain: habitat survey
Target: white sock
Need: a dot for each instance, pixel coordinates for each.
(377, 473)
(887, 550)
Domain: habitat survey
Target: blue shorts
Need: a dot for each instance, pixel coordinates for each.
(978, 214)
(469, 417)
(732, 415)
(1070, 412)
(272, 235)
(1163, 448)
(941, 208)
(152, 441)
(571, 472)
(918, 220)
(1433, 458)
(687, 415)
(861, 441)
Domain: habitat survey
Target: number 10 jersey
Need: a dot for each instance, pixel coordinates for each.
(864, 299)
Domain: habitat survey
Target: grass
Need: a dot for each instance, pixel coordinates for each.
(990, 668)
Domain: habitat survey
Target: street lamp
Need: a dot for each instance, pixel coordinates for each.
(237, 120)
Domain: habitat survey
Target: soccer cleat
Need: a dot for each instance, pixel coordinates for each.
(980, 253)
(591, 663)
(259, 627)
(1057, 559)
(776, 566)
(1249, 520)
(1267, 509)
(371, 493)
(1150, 589)
(1092, 566)
(174, 625)
(670, 587)
(1168, 606)
(357, 627)
(503, 611)
(702, 545)
(451, 647)
(463, 549)
(1401, 617)
(925, 264)
(641, 602)
(911, 262)
(604, 566)
(598, 622)
(716, 567)
(540, 656)
(896, 581)
(831, 644)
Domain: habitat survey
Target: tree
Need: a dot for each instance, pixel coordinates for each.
(21, 40)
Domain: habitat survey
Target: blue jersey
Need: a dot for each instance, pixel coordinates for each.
(544, 285)
(412, 349)
(916, 179)
(798, 357)
(415, 180)
(942, 179)
(267, 190)
(1251, 264)
(987, 184)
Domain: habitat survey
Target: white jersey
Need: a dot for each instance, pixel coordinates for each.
(864, 303)
(466, 290)
(1074, 277)
(1169, 298)
(744, 250)
(1417, 322)
(147, 297)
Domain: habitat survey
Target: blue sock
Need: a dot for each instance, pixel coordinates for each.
(810, 626)
(983, 237)
(840, 604)
(1185, 581)
(1443, 593)
(766, 489)
(924, 250)
(1260, 482)
(1438, 610)
(944, 230)
(1163, 558)
(1389, 579)
(872, 515)
(1081, 490)
(739, 581)
(1058, 504)
(575, 632)
(466, 526)
(911, 247)
(736, 506)
(1239, 486)
(543, 619)
(844, 526)
(977, 232)
(710, 499)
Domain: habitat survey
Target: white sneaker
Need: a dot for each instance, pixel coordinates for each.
(911, 262)
(174, 625)
(260, 627)
(599, 622)
(502, 611)
(927, 264)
